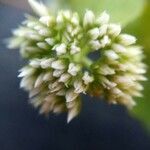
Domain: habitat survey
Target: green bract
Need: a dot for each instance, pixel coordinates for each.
(59, 70)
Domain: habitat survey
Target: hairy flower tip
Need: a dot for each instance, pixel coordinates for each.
(59, 68)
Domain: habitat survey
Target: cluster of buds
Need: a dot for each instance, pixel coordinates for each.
(59, 69)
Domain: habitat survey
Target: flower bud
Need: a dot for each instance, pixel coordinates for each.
(89, 18)
(94, 33)
(71, 95)
(73, 69)
(58, 64)
(114, 29)
(46, 63)
(87, 78)
(126, 39)
(103, 18)
(47, 20)
(74, 49)
(61, 49)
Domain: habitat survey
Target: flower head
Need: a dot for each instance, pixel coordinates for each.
(59, 70)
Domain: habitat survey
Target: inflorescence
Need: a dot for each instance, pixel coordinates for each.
(59, 69)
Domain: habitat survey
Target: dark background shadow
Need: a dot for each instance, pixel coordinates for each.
(98, 127)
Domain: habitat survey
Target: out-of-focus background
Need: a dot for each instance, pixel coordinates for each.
(99, 126)
(23, 4)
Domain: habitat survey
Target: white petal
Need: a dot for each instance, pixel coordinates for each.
(44, 32)
(61, 92)
(64, 77)
(56, 86)
(31, 49)
(138, 86)
(50, 98)
(79, 87)
(34, 92)
(38, 27)
(58, 108)
(73, 69)
(107, 83)
(47, 20)
(114, 29)
(72, 113)
(95, 44)
(134, 51)
(59, 18)
(58, 64)
(35, 101)
(111, 54)
(75, 19)
(42, 45)
(119, 48)
(26, 71)
(35, 63)
(57, 73)
(46, 108)
(87, 78)
(50, 41)
(34, 36)
(124, 80)
(141, 78)
(103, 18)
(106, 70)
(89, 18)
(30, 24)
(71, 95)
(22, 31)
(39, 80)
(126, 39)
(48, 76)
(94, 33)
(69, 28)
(13, 43)
(103, 30)
(61, 49)
(46, 63)
(128, 101)
(116, 91)
(39, 8)
(67, 14)
(74, 49)
(105, 41)
(27, 83)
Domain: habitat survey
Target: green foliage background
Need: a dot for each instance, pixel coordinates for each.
(122, 11)
(141, 29)
(134, 15)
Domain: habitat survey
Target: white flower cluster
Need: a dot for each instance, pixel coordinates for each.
(59, 69)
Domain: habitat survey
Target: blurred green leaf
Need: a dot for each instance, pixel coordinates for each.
(122, 11)
(141, 29)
